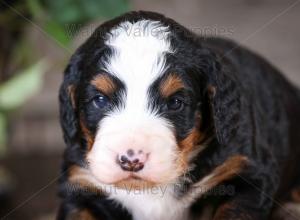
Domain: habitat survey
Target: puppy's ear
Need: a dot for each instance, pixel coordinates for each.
(224, 102)
(67, 101)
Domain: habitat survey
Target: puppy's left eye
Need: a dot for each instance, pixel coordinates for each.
(101, 101)
(175, 104)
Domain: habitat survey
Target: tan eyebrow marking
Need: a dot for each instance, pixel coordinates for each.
(170, 85)
(105, 84)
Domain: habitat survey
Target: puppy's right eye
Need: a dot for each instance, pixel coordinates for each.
(101, 101)
(175, 104)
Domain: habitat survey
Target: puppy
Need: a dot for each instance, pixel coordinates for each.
(163, 124)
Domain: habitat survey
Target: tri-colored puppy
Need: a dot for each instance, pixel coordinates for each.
(162, 124)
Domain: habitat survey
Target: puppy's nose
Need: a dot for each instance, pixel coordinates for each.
(132, 161)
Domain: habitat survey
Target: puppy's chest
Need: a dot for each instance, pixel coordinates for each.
(152, 205)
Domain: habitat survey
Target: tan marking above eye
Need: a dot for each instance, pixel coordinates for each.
(170, 85)
(104, 83)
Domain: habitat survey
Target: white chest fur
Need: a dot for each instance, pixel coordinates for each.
(154, 204)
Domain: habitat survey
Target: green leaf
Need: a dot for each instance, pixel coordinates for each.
(21, 87)
(35, 8)
(77, 11)
(58, 32)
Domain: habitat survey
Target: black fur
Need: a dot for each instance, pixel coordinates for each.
(254, 111)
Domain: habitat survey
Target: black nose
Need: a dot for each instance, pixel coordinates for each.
(132, 165)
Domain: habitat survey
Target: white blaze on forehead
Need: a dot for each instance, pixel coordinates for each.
(138, 58)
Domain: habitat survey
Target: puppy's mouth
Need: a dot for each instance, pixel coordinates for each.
(134, 182)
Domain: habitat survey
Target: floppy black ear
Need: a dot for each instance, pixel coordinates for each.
(67, 103)
(224, 96)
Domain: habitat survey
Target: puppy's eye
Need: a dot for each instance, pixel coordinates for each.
(175, 104)
(100, 101)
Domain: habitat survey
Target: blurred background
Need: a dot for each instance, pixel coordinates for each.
(37, 37)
